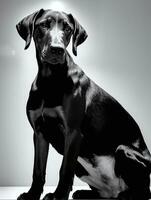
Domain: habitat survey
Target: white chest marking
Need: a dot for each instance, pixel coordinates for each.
(102, 176)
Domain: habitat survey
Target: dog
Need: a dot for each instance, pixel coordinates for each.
(100, 141)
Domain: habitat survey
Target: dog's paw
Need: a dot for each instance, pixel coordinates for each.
(28, 196)
(49, 196)
(86, 194)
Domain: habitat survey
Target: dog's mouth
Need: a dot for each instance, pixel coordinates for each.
(53, 59)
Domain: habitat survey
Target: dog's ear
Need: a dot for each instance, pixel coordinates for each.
(25, 27)
(79, 34)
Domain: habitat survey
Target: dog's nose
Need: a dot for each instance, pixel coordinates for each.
(57, 51)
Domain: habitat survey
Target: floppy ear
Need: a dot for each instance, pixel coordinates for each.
(25, 27)
(79, 34)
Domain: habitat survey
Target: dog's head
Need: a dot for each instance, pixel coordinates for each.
(52, 31)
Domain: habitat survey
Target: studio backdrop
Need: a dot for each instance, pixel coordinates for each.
(116, 55)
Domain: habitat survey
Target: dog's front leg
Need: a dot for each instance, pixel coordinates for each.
(41, 147)
(76, 108)
(72, 147)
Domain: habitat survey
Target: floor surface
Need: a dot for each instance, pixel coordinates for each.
(11, 193)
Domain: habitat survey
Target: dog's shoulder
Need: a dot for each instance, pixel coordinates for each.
(76, 75)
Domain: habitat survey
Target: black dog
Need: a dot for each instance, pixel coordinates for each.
(100, 142)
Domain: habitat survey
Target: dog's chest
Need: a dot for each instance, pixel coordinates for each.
(44, 115)
(101, 176)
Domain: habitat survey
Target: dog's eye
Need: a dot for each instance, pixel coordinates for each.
(43, 25)
(68, 29)
(46, 24)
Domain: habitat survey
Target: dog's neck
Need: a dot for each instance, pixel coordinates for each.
(51, 77)
(59, 80)
(47, 70)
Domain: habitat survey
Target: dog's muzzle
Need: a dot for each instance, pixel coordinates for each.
(53, 55)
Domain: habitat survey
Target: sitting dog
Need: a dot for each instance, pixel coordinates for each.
(99, 140)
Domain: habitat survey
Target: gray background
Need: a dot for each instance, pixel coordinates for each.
(117, 55)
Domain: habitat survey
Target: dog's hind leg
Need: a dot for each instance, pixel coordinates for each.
(135, 169)
(84, 194)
